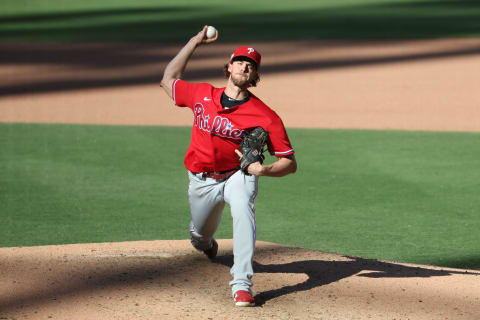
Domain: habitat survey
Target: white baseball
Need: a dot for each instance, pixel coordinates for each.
(211, 32)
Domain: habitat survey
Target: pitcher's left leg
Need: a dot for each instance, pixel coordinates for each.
(240, 193)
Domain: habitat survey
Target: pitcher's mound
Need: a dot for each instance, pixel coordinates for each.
(170, 280)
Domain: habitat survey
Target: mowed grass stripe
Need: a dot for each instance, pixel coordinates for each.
(167, 21)
(403, 196)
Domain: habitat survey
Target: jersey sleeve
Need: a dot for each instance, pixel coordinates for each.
(183, 93)
(278, 142)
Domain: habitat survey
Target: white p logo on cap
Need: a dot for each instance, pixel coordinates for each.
(248, 52)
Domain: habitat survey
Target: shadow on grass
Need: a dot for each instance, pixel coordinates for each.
(382, 20)
(462, 262)
(321, 273)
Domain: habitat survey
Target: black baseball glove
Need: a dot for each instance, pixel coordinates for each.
(252, 148)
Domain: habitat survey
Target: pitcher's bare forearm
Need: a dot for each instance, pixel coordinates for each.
(176, 66)
(281, 167)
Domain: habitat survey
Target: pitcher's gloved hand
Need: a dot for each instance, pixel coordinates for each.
(252, 148)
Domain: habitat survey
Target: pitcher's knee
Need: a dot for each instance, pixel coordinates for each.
(199, 241)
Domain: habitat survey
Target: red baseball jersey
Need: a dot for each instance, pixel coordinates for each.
(217, 132)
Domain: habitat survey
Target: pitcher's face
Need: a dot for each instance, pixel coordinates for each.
(242, 73)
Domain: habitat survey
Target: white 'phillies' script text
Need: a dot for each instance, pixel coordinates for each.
(219, 126)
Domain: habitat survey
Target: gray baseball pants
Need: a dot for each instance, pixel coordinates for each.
(207, 198)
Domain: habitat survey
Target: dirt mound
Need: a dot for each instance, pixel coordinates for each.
(170, 280)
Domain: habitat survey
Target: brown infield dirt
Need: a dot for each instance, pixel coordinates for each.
(397, 85)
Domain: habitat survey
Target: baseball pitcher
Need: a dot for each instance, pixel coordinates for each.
(224, 160)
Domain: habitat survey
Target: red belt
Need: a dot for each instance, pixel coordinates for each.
(223, 175)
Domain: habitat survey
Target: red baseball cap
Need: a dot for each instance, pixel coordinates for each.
(247, 52)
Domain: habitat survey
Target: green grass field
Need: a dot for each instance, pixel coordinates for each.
(403, 196)
(173, 21)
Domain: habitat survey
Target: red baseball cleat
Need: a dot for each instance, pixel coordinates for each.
(244, 299)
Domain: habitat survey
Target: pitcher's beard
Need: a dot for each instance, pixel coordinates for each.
(241, 82)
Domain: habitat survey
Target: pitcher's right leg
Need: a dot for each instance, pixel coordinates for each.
(206, 206)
